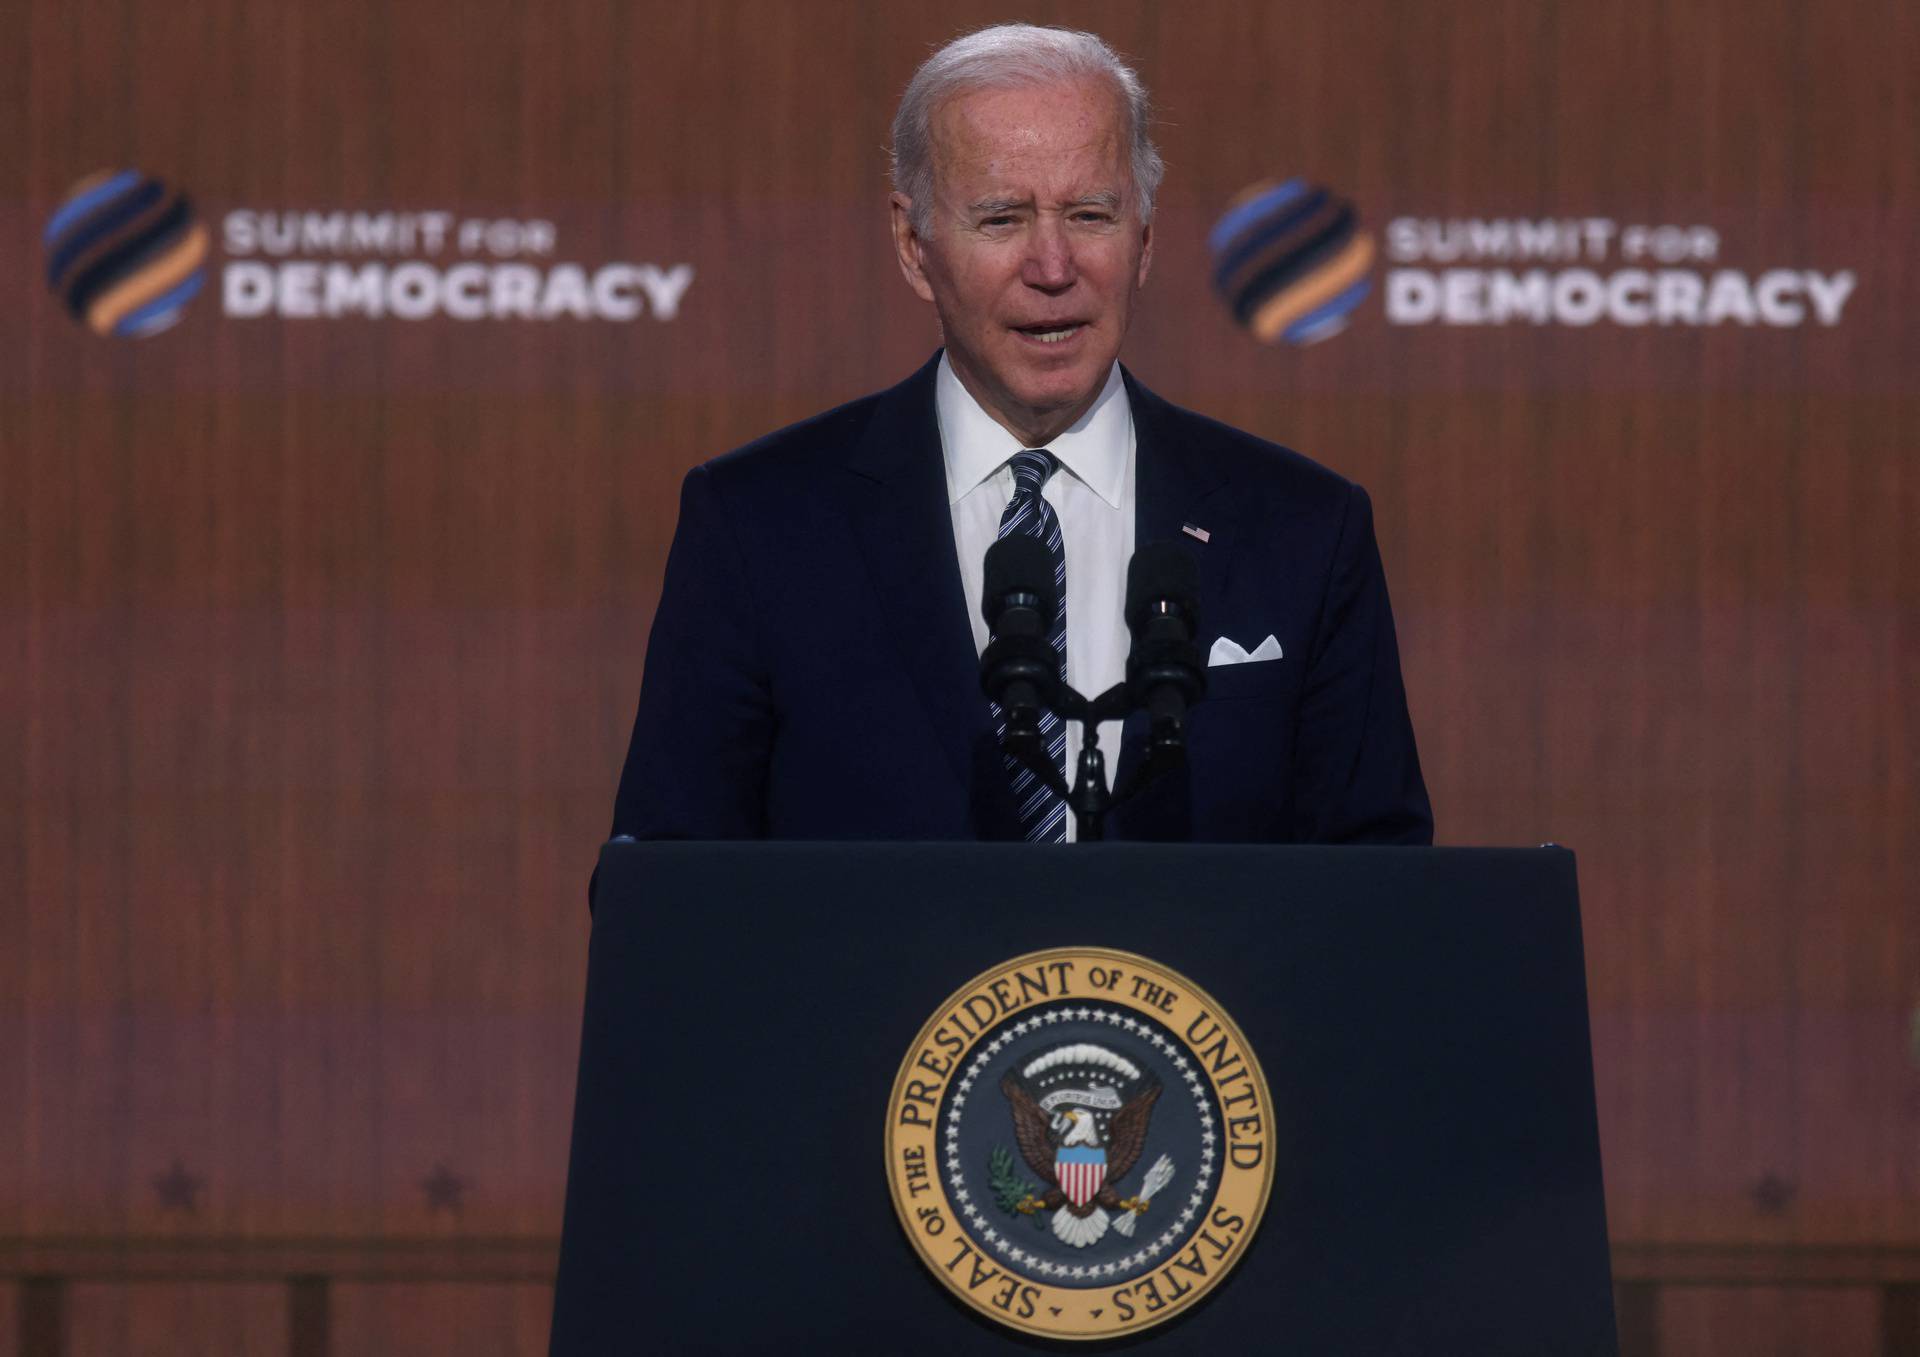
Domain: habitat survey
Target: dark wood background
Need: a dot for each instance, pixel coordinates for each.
(319, 640)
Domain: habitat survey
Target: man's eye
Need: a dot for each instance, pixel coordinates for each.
(998, 221)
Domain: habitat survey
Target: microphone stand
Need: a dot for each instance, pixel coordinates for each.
(1089, 798)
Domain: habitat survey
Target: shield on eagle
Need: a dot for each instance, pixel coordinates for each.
(1080, 1170)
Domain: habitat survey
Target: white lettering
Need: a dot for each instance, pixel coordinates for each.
(351, 291)
(1461, 295)
(1773, 296)
(466, 286)
(664, 290)
(1413, 297)
(1669, 244)
(300, 290)
(1628, 299)
(1578, 297)
(516, 288)
(433, 230)
(1829, 295)
(322, 233)
(468, 291)
(413, 291)
(1469, 238)
(277, 233)
(566, 291)
(1403, 239)
(1489, 240)
(612, 293)
(1519, 295)
(1728, 298)
(1677, 297)
(374, 233)
(503, 238)
(238, 230)
(1537, 240)
(246, 289)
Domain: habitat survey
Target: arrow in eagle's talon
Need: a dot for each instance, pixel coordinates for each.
(1134, 1204)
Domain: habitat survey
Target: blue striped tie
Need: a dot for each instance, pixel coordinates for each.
(1043, 814)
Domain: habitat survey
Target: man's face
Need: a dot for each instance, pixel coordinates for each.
(1035, 250)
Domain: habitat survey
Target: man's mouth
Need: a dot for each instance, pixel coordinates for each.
(1054, 333)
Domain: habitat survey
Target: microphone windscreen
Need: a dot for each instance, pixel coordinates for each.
(1019, 565)
(1161, 572)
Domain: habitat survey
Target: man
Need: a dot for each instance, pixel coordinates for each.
(813, 670)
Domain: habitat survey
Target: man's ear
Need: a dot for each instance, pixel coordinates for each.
(907, 246)
(1146, 253)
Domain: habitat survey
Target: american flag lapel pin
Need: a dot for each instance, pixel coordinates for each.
(1192, 531)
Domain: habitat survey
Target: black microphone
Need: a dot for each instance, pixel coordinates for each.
(1165, 673)
(1020, 670)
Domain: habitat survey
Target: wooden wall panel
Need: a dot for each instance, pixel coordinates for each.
(1770, 1322)
(500, 1320)
(145, 1319)
(324, 636)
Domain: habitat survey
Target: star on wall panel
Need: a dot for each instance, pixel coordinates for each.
(445, 1190)
(178, 1189)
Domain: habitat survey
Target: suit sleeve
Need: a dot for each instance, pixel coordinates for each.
(697, 764)
(1357, 773)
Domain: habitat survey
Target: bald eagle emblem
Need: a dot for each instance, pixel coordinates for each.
(1080, 1118)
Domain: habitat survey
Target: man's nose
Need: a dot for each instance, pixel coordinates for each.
(1049, 263)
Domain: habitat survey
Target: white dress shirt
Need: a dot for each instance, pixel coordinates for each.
(1092, 495)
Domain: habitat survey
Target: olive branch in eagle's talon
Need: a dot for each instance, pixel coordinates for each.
(1012, 1192)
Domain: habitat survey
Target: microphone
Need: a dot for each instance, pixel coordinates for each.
(1164, 669)
(1020, 670)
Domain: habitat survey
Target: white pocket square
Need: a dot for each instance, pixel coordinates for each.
(1230, 652)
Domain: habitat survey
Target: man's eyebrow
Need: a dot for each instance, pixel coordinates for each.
(987, 207)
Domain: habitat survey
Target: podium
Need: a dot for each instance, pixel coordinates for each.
(1427, 1135)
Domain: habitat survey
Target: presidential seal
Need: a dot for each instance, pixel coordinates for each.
(1078, 1143)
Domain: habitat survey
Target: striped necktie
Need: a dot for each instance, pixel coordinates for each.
(1043, 814)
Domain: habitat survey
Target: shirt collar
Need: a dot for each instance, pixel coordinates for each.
(974, 445)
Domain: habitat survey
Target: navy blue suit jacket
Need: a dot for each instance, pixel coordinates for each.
(812, 673)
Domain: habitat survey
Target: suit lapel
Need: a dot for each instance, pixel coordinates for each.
(904, 527)
(1177, 481)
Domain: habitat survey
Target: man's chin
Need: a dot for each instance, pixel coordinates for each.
(1043, 394)
(1058, 384)
(1058, 396)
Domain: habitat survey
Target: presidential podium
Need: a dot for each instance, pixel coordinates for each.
(774, 1148)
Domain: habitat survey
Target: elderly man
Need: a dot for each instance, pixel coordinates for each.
(813, 670)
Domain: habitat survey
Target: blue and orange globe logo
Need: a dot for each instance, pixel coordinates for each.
(1290, 261)
(125, 254)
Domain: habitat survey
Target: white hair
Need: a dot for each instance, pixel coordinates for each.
(1009, 56)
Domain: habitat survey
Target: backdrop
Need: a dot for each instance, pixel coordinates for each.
(353, 355)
